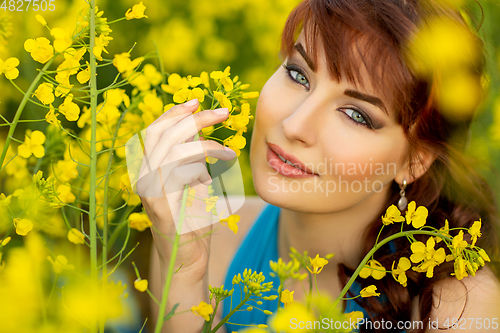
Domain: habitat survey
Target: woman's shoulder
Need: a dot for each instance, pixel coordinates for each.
(472, 303)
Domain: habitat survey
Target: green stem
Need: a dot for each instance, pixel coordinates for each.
(226, 318)
(19, 111)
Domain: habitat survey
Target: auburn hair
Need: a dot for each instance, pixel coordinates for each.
(375, 34)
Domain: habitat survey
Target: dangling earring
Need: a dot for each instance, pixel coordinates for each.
(403, 202)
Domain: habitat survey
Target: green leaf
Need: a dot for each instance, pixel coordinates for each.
(171, 313)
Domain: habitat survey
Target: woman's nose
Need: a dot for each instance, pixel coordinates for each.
(303, 122)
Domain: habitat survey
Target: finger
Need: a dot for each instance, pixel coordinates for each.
(163, 155)
(189, 126)
(167, 120)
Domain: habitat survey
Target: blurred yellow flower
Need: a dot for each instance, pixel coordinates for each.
(70, 109)
(139, 221)
(136, 12)
(392, 214)
(205, 79)
(210, 203)
(190, 198)
(9, 68)
(417, 217)
(317, 264)
(249, 95)
(23, 226)
(75, 236)
(60, 264)
(374, 269)
(294, 312)
(287, 297)
(62, 39)
(203, 310)
(40, 49)
(6, 241)
(141, 285)
(40, 19)
(231, 221)
(33, 144)
(152, 74)
(369, 291)
(44, 93)
(475, 231)
(64, 193)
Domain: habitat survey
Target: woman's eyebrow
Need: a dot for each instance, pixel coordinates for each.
(303, 53)
(367, 98)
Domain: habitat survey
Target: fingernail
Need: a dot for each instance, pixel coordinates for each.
(221, 112)
(191, 102)
(229, 150)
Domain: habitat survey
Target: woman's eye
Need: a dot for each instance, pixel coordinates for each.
(295, 75)
(356, 116)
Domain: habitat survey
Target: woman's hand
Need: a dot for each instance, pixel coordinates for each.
(171, 160)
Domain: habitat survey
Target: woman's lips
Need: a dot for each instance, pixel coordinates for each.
(283, 168)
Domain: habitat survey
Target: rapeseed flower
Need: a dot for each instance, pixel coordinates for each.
(231, 221)
(75, 236)
(223, 78)
(317, 264)
(175, 83)
(374, 269)
(416, 217)
(210, 203)
(62, 39)
(236, 143)
(100, 43)
(369, 291)
(136, 12)
(399, 273)
(51, 117)
(33, 144)
(445, 231)
(287, 297)
(64, 193)
(203, 310)
(9, 68)
(186, 94)
(475, 231)
(223, 100)
(84, 75)
(141, 285)
(250, 94)
(427, 255)
(23, 226)
(123, 63)
(40, 19)
(45, 93)
(139, 221)
(295, 311)
(39, 49)
(392, 214)
(70, 109)
(60, 264)
(190, 197)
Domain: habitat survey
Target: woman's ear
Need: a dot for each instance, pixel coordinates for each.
(415, 168)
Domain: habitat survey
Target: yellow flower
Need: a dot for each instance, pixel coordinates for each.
(64, 87)
(23, 226)
(458, 243)
(152, 74)
(237, 123)
(369, 291)
(223, 78)
(186, 94)
(136, 12)
(223, 100)
(210, 202)
(123, 63)
(33, 144)
(175, 83)
(296, 312)
(232, 221)
(428, 255)
(287, 297)
(416, 217)
(236, 143)
(483, 255)
(445, 231)
(139, 221)
(203, 310)
(40, 19)
(399, 274)
(60, 264)
(100, 43)
(51, 117)
(40, 49)
(64, 193)
(44, 93)
(317, 264)
(374, 269)
(190, 197)
(475, 231)
(392, 214)
(205, 79)
(141, 285)
(9, 68)
(250, 94)
(62, 39)
(75, 236)
(69, 109)
(459, 267)
(84, 75)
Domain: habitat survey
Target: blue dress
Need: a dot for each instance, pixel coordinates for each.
(260, 246)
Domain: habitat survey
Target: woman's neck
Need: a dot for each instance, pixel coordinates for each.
(340, 233)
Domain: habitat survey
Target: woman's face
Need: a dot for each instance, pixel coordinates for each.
(345, 136)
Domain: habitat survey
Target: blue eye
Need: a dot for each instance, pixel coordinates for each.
(296, 75)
